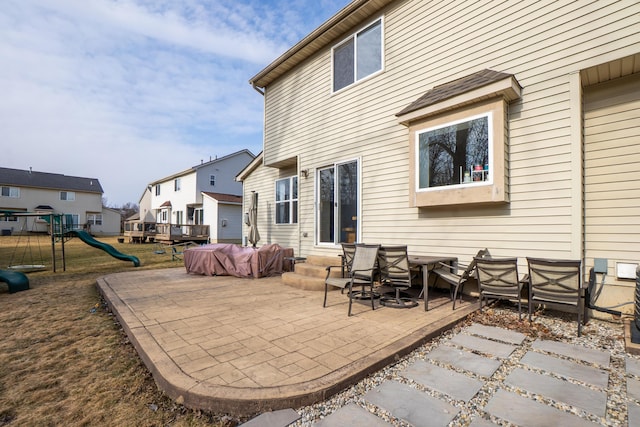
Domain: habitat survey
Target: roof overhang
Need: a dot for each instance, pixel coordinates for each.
(352, 15)
(494, 85)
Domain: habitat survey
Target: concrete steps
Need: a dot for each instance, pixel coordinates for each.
(310, 275)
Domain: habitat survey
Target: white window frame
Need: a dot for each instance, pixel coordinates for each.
(317, 214)
(292, 201)
(94, 218)
(157, 189)
(212, 180)
(12, 192)
(69, 196)
(485, 175)
(177, 184)
(354, 39)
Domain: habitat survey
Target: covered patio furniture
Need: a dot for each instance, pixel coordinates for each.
(227, 259)
(498, 279)
(457, 281)
(553, 281)
(395, 273)
(361, 274)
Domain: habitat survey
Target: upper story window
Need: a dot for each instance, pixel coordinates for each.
(455, 153)
(157, 189)
(13, 192)
(358, 57)
(212, 180)
(68, 195)
(176, 184)
(287, 200)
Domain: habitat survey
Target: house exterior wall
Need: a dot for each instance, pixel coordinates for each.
(612, 190)
(262, 181)
(544, 45)
(196, 181)
(225, 173)
(30, 198)
(144, 205)
(224, 219)
(110, 224)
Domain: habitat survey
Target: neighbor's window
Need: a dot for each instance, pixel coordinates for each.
(212, 180)
(456, 153)
(68, 195)
(164, 216)
(157, 189)
(94, 219)
(179, 217)
(358, 57)
(176, 184)
(13, 192)
(287, 200)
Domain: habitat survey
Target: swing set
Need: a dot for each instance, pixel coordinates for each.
(25, 258)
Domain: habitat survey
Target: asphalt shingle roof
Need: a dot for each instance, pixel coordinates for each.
(28, 178)
(456, 87)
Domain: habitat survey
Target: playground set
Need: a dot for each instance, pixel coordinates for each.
(61, 228)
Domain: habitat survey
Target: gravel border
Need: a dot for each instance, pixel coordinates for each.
(597, 334)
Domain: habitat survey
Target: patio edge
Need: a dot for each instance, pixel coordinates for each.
(248, 401)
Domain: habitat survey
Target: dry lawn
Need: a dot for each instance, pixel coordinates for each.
(64, 359)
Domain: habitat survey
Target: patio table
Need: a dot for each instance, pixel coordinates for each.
(429, 262)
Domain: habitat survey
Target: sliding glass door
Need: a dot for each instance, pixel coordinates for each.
(338, 209)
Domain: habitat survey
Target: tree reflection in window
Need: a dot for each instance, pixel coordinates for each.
(447, 152)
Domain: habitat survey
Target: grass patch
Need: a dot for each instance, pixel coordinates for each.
(64, 359)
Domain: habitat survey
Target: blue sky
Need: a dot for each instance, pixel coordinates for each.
(129, 91)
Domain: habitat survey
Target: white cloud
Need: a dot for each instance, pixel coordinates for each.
(130, 91)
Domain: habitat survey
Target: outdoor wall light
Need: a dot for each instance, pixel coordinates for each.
(304, 173)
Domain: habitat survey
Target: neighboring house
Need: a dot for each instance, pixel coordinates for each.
(204, 199)
(42, 192)
(457, 126)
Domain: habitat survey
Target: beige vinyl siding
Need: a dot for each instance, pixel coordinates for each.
(612, 186)
(430, 43)
(262, 181)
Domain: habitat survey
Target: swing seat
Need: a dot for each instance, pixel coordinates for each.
(27, 268)
(15, 280)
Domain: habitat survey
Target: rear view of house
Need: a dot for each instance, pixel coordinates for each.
(455, 126)
(42, 192)
(201, 204)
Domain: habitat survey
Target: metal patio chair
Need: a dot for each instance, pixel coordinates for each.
(498, 279)
(457, 281)
(395, 273)
(553, 281)
(362, 274)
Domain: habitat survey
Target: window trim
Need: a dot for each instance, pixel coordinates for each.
(67, 193)
(16, 192)
(212, 180)
(491, 149)
(291, 200)
(157, 189)
(494, 191)
(354, 38)
(177, 184)
(92, 218)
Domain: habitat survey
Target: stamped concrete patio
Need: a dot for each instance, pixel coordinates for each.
(243, 346)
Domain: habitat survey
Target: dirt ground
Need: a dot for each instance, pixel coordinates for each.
(64, 359)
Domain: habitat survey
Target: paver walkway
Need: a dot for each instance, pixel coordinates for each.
(510, 377)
